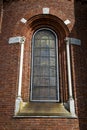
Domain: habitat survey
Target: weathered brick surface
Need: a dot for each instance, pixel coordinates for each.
(9, 63)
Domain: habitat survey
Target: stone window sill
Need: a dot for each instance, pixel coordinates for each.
(33, 109)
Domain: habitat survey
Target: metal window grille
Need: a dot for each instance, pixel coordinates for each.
(44, 83)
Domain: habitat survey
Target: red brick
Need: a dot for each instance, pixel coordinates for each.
(9, 62)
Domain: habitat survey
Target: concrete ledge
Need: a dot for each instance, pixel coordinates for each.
(33, 109)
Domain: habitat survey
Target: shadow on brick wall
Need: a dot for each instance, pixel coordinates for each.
(80, 30)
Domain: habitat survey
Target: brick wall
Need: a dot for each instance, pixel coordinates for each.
(9, 62)
(80, 60)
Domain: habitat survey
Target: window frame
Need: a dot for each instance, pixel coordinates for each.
(57, 66)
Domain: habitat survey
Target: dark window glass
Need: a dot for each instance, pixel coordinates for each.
(44, 66)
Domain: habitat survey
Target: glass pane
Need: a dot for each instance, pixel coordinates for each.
(44, 61)
(44, 81)
(44, 37)
(45, 43)
(36, 71)
(52, 61)
(45, 52)
(52, 71)
(41, 71)
(52, 44)
(44, 91)
(41, 81)
(53, 91)
(37, 52)
(45, 71)
(35, 92)
(36, 61)
(37, 43)
(52, 52)
(52, 81)
(37, 81)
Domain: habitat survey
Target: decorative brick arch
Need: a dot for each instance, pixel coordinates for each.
(57, 25)
(41, 20)
(48, 20)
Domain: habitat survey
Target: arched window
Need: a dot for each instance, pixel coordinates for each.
(45, 76)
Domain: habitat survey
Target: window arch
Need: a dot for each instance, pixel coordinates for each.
(45, 76)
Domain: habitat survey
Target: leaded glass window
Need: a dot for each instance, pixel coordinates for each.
(44, 81)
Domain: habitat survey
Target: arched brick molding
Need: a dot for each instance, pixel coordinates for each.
(62, 31)
(56, 24)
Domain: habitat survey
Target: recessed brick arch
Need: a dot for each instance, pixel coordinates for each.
(49, 21)
(42, 20)
(58, 26)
